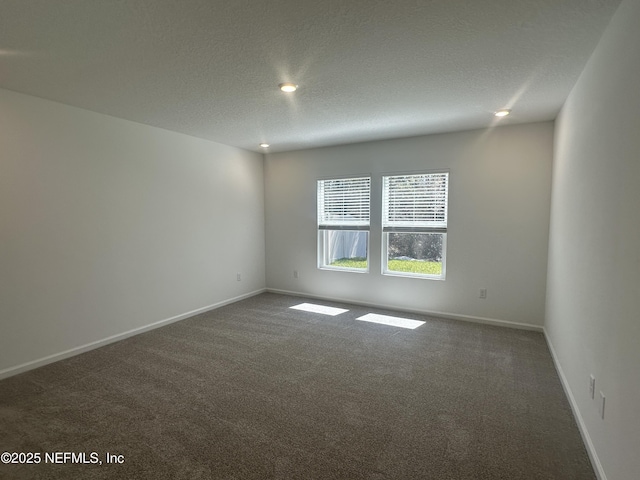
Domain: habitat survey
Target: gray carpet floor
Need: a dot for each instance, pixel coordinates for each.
(256, 390)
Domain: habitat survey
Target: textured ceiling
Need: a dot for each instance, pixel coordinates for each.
(367, 69)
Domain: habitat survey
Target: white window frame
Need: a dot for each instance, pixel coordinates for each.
(437, 224)
(343, 216)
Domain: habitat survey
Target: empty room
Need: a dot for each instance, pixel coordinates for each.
(320, 240)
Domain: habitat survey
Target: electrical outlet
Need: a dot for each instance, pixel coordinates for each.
(592, 386)
(238, 276)
(483, 293)
(601, 405)
(295, 274)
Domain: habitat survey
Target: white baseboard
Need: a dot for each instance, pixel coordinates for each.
(452, 316)
(9, 372)
(595, 461)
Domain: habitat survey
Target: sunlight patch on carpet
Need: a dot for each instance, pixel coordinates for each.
(324, 310)
(392, 321)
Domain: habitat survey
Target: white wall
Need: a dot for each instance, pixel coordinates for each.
(107, 226)
(499, 200)
(593, 296)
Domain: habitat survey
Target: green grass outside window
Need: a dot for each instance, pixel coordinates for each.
(422, 267)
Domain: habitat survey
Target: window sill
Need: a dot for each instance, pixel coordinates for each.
(414, 275)
(343, 269)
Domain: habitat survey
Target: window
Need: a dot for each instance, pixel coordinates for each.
(414, 225)
(343, 224)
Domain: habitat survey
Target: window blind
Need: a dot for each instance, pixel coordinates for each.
(415, 202)
(344, 203)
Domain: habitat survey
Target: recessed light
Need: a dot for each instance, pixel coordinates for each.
(288, 87)
(264, 145)
(502, 113)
